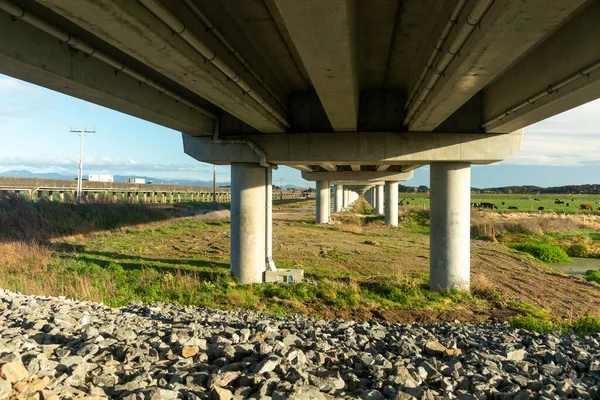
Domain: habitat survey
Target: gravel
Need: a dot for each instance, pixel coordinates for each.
(53, 348)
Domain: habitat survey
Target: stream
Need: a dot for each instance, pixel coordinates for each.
(578, 266)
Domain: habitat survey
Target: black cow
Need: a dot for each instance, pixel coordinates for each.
(490, 206)
(558, 202)
(540, 208)
(512, 208)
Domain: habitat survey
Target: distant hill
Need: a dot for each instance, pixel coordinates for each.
(117, 178)
(528, 189)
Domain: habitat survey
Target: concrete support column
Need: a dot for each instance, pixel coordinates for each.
(322, 202)
(450, 259)
(380, 197)
(171, 197)
(248, 208)
(345, 203)
(61, 196)
(391, 203)
(339, 194)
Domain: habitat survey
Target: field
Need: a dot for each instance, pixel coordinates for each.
(355, 268)
(524, 203)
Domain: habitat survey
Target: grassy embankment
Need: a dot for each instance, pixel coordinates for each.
(115, 254)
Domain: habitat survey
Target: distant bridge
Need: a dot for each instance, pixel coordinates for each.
(56, 189)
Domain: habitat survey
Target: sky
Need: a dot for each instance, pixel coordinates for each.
(35, 126)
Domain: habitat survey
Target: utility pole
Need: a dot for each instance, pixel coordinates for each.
(214, 183)
(280, 188)
(81, 134)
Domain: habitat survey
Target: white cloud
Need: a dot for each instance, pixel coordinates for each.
(568, 139)
(109, 165)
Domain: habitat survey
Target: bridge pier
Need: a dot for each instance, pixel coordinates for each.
(450, 225)
(323, 196)
(346, 198)
(61, 196)
(379, 203)
(248, 221)
(339, 194)
(391, 203)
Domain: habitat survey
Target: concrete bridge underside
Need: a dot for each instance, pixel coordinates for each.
(344, 87)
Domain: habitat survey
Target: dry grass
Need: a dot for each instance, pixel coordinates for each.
(345, 227)
(491, 225)
(24, 258)
(25, 269)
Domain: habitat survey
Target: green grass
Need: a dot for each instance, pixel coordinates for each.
(523, 202)
(543, 252)
(593, 275)
(117, 285)
(581, 326)
(536, 319)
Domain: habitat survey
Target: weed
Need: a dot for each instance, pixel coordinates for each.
(544, 252)
(578, 250)
(592, 275)
(581, 326)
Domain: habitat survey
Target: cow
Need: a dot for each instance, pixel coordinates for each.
(558, 202)
(540, 208)
(585, 207)
(537, 199)
(567, 204)
(512, 208)
(491, 206)
(475, 205)
(502, 203)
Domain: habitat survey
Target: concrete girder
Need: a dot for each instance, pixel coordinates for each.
(568, 50)
(507, 31)
(324, 34)
(381, 168)
(328, 167)
(355, 167)
(303, 168)
(362, 176)
(133, 29)
(361, 147)
(29, 54)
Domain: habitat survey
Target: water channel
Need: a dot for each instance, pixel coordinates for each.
(578, 266)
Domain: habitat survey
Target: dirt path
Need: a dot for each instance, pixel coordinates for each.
(520, 280)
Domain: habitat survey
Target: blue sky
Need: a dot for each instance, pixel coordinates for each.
(35, 124)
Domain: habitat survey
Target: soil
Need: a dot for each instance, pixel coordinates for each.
(375, 253)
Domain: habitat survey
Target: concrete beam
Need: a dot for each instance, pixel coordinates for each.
(328, 167)
(355, 167)
(362, 176)
(31, 55)
(382, 168)
(354, 184)
(324, 34)
(507, 31)
(361, 147)
(131, 28)
(568, 50)
(303, 168)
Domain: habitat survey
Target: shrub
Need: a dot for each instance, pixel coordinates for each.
(578, 250)
(533, 324)
(544, 252)
(586, 325)
(593, 275)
